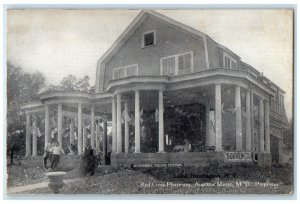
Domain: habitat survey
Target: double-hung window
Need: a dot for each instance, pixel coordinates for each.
(177, 64)
(127, 71)
(229, 62)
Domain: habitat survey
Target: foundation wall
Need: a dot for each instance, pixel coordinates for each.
(167, 159)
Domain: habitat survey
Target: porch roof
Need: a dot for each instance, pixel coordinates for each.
(213, 76)
(74, 97)
(32, 107)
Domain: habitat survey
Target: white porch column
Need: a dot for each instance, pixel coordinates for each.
(137, 134)
(267, 126)
(218, 109)
(34, 138)
(28, 135)
(248, 121)
(126, 128)
(47, 124)
(93, 126)
(161, 146)
(97, 137)
(261, 126)
(104, 142)
(79, 129)
(114, 125)
(252, 121)
(207, 138)
(238, 119)
(72, 141)
(119, 124)
(59, 124)
(84, 138)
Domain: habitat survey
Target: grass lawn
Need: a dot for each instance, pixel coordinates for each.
(242, 179)
(24, 174)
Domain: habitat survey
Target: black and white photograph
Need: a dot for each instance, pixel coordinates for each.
(149, 101)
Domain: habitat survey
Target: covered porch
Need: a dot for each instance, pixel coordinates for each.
(146, 118)
(221, 122)
(70, 118)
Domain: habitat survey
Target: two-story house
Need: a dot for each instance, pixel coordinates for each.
(172, 96)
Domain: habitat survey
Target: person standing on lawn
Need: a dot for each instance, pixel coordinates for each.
(56, 151)
(47, 154)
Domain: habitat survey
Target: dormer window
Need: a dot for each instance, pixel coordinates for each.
(149, 39)
(229, 62)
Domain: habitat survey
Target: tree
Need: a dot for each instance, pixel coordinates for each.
(21, 88)
(71, 83)
(25, 87)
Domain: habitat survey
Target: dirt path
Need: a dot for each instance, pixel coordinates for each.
(37, 186)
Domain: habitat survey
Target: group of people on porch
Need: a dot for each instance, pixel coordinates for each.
(185, 147)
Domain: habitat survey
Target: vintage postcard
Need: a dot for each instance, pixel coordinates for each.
(165, 101)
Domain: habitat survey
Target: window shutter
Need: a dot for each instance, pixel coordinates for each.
(184, 63)
(169, 66)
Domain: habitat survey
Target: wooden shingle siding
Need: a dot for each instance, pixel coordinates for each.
(170, 40)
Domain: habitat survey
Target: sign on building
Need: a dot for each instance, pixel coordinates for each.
(237, 156)
(148, 165)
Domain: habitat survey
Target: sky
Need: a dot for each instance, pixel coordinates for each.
(62, 42)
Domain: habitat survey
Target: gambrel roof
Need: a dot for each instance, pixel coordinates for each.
(133, 26)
